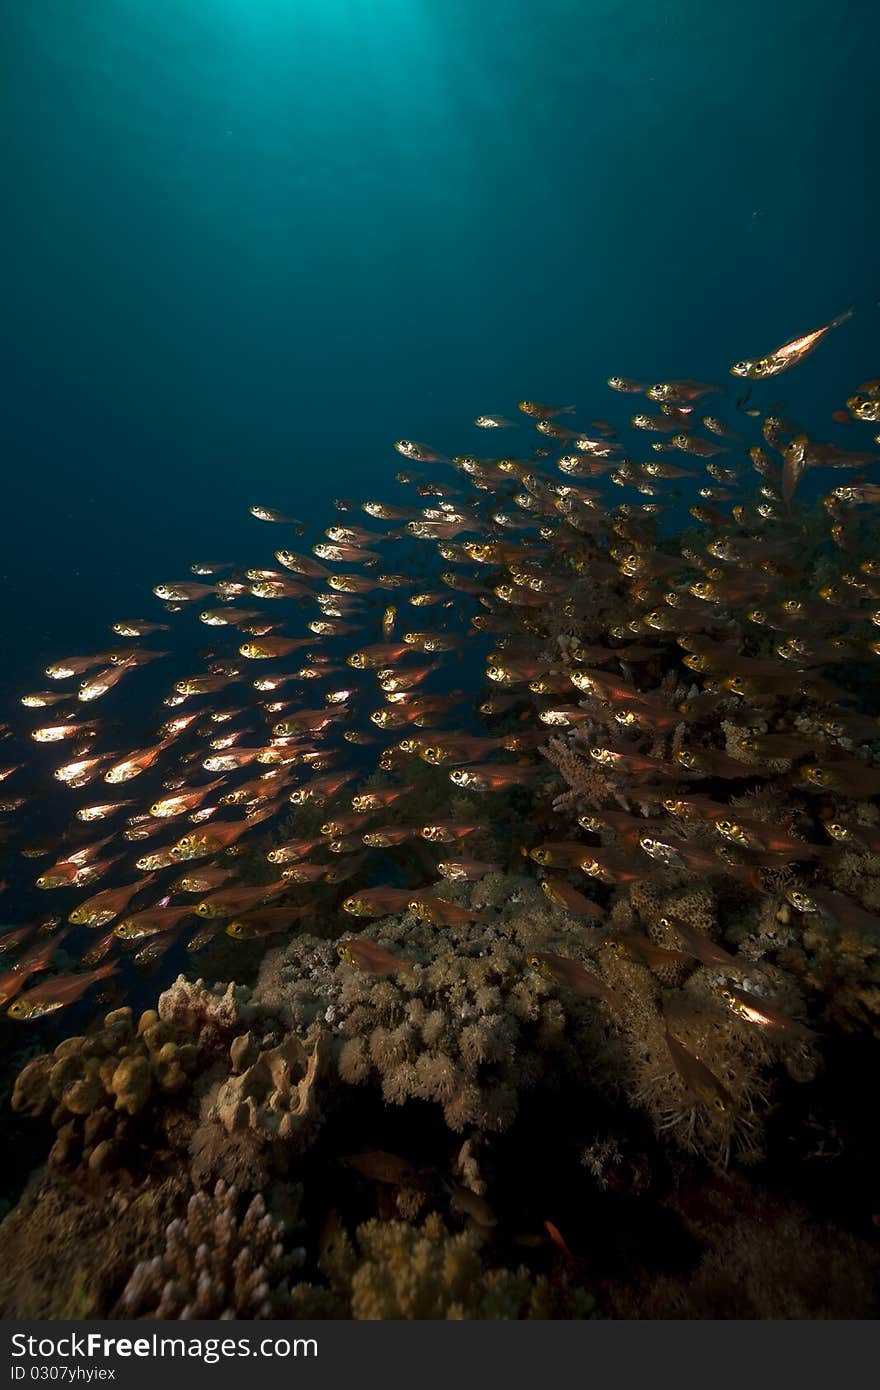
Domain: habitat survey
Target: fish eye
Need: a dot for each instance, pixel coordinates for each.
(340, 951)
(718, 1104)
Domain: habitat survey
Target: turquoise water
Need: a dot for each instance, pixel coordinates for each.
(247, 244)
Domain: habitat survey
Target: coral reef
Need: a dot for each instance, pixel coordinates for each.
(494, 1096)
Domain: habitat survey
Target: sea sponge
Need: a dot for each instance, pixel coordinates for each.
(277, 1095)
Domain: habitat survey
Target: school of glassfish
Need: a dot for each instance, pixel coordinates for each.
(591, 617)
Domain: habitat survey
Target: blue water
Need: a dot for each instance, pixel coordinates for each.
(247, 243)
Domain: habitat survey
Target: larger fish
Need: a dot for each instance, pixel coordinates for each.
(788, 355)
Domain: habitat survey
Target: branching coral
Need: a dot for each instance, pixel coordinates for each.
(400, 1271)
(689, 1005)
(215, 1265)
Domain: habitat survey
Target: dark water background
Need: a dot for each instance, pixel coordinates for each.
(245, 245)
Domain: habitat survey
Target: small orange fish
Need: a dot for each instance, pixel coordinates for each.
(56, 993)
(538, 411)
(136, 763)
(572, 975)
(377, 902)
(182, 591)
(556, 1237)
(445, 832)
(754, 1009)
(102, 907)
(697, 1077)
(567, 897)
(202, 880)
(228, 901)
(441, 913)
(641, 948)
(701, 947)
(374, 959)
(152, 921)
(465, 870)
(265, 922)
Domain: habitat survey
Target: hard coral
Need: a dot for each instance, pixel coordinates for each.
(94, 1086)
(197, 1007)
(213, 1265)
(399, 1271)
